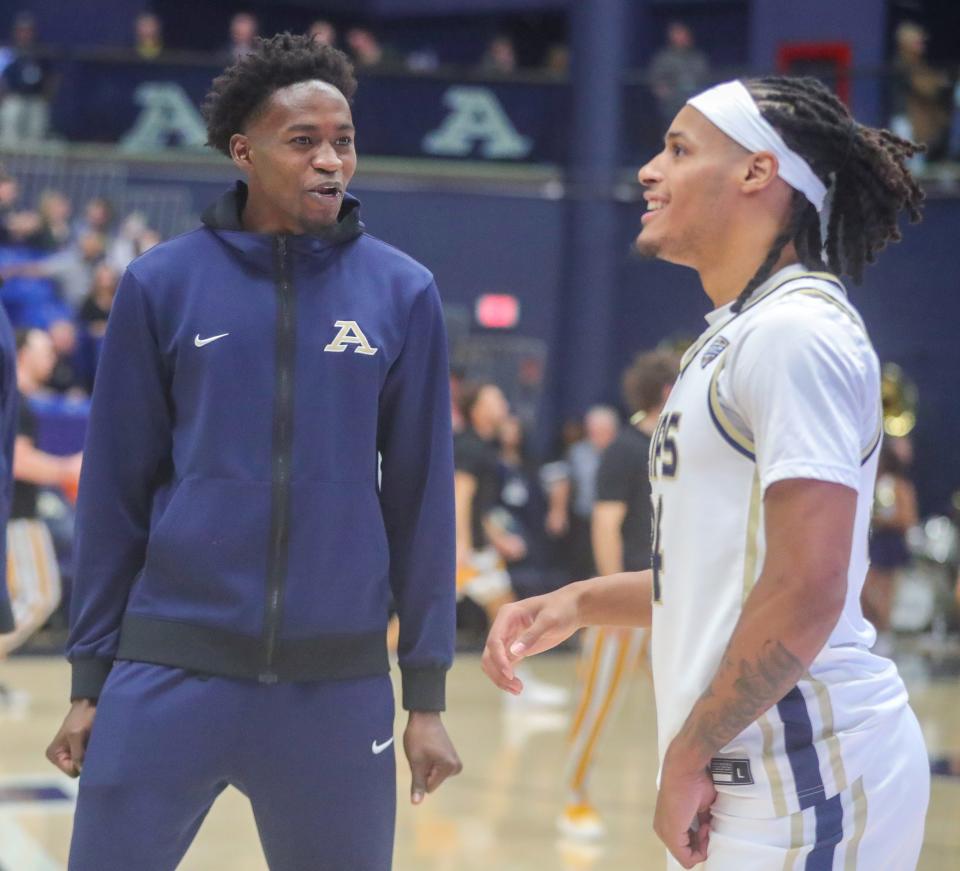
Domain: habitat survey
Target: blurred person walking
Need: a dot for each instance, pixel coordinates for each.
(33, 573)
(894, 514)
(621, 543)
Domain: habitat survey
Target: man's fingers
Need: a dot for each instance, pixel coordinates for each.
(78, 748)
(418, 785)
(58, 754)
(528, 643)
(441, 771)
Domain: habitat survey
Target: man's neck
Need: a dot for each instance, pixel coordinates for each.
(724, 278)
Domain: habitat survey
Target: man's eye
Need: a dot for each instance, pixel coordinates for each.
(301, 140)
(345, 141)
(677, 150)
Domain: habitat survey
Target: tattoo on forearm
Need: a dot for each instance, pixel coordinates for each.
(756, 686)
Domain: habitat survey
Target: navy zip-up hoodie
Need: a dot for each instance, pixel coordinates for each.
(230, 519)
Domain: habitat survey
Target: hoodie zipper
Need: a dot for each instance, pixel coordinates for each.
(282, 457)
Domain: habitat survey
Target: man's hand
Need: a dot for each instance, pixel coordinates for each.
(430, 752)
(682, 818)
(526, 628)
(68, 748)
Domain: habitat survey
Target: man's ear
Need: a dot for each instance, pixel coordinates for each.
(240, 151)
(759, 171)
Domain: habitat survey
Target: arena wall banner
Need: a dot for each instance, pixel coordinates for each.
(145, 107)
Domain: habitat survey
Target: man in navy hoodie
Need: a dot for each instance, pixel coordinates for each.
(238, 548)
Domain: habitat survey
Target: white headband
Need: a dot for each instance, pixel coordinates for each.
(731, 108)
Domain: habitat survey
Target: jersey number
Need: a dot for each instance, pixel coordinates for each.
(656, 555)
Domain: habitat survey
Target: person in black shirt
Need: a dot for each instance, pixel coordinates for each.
(621, 543)
(484, 543)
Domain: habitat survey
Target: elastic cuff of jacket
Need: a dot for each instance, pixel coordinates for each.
(424, 689)
(89, 676)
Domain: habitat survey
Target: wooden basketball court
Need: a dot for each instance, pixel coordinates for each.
(499, 814)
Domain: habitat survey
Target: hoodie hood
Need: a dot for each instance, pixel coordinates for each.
(223, 217)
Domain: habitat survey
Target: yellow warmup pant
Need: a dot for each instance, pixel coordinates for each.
(33, 579)
(608, 655)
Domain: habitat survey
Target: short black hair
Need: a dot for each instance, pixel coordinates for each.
(240, 92)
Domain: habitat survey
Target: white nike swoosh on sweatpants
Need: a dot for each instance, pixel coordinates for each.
(379, 748)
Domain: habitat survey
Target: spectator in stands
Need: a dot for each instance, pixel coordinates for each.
(920, 94)
(244, 29)
(148, 36)
(323, 32)
(9, 194)
(678, 71)
(96, 307)
(134, 237)
(500, 58)
(368, 52)
(71, 268)
(25, 228)
(97, 217)
(894, 513)
(66, 377)
(55, 210)
(26, 86)
(557, 61)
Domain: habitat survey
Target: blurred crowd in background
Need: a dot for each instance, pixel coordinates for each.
(922, 97)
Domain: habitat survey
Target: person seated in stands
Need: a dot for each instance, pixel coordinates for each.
(135, 237)
(55, 210)
(148, 36)
(26, 86)
(367, 51)
(244, 29)
(500, 58)
(323, 32)
(98, 216)
(66, 377)
(96, 307)
(72, 268)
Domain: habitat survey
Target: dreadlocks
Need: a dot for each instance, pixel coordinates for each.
(864, 168)
(242, 90)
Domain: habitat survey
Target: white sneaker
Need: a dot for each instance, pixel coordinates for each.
(581, 822)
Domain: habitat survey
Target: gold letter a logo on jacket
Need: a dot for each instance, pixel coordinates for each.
(350, 334)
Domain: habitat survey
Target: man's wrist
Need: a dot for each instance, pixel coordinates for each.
(583, 600)
(422, 715)
(687, 752)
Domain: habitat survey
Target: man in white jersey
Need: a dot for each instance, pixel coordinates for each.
(784, 742)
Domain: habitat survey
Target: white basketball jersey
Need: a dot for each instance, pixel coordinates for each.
(788, 388)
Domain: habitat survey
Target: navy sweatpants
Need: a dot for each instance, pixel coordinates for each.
(166, 742)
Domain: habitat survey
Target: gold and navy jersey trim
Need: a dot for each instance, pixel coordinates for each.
(738, 440)
(700, 343)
